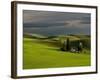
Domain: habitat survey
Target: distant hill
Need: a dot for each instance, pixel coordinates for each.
(57, 40)
(70, 36)
(36, 36)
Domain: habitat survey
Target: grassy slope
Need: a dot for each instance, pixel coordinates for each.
(41, 55)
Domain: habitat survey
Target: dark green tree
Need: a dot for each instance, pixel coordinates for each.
(80, 46)
(67, 45)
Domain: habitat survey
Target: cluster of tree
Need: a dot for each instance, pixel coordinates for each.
(65, 45)
(76, 46)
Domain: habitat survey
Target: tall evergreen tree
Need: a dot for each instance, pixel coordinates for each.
(67, 45)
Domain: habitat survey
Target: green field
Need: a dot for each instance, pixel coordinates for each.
(40, 53)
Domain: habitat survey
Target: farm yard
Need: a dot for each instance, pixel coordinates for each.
(45, 52)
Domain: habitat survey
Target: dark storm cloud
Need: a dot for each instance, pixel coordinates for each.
(55, 23)
(39, 24)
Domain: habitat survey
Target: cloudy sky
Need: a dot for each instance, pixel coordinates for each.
(55, 23)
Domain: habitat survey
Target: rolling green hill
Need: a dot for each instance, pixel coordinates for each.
(44, 52)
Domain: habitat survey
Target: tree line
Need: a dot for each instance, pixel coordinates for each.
(76, 46)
